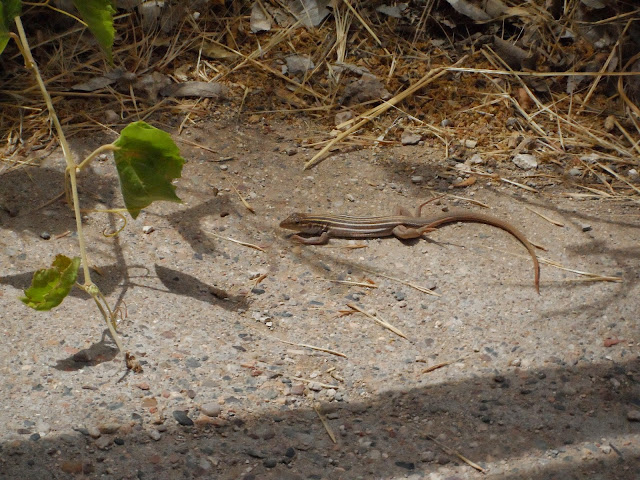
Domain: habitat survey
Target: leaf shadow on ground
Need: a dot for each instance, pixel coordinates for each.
(488, 419)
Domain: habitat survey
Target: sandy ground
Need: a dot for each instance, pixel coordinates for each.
(529, 386)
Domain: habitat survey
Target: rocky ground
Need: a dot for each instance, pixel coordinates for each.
(492, 381)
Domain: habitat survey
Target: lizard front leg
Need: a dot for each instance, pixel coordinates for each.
(321, 239)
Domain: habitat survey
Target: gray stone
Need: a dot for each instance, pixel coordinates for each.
(182, 418)
(211, 409)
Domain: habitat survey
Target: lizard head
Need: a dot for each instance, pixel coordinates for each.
(300, 222)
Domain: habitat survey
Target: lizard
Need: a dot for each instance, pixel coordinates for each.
(319, 228)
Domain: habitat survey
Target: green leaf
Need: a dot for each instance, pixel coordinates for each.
(50, 285)
(9, 9)
(147, 160)
(99, 17)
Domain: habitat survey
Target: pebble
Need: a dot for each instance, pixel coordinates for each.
(71, 466)
(68, 438)
(342, 117)
(182, 418)
(94, 432)
(154, 435)
(315, 386)
(526, 161)
(410, 138)
(45, 235)
(586, 228)
(297, 389)
(256, 453)
(270, 462)
(42, 427)
(633, 415)
(108, 428)
(211, 409)
(575, 172)
(428, 456)
(111, 116)
(417, 179)
(103, 443)
(204, 464)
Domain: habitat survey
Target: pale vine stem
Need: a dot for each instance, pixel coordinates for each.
(88, 286)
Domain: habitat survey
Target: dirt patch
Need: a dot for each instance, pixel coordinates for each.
(529, 386)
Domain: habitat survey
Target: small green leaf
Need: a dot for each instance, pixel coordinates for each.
(50, 285)
(99, 17)
(147, 160)
(9, 9)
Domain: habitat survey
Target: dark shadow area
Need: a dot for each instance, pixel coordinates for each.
(182, 284)
(89, 357)
(107, 280)
(487, 419)
(188, 222)
(176, 282)
(32, 199)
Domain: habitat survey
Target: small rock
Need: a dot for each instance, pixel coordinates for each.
(103, 443)
(182, 418)
(427, 456)
(45, 235)
(108, 428)
(204, 464)
(147, 229)
(526, 161)
(417, 179)
(94, 432)
(343, 116)
(446, 123)
(315, 386)
(270, 462)
(633, 415)
(586, 228)
(256, 453)
(575, 172)
(211, 409)
(111, 117)
(154, 434)
(476, 159)
(470, 143)
(297, 389)
(42, 427)
(71, 466)
(410, 138)
(299, 64)
(633, 173)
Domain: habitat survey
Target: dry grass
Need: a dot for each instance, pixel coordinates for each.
(572, 104)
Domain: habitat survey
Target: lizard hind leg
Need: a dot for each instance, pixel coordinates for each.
(407, 233)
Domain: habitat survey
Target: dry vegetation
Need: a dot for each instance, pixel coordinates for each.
(556, 78)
